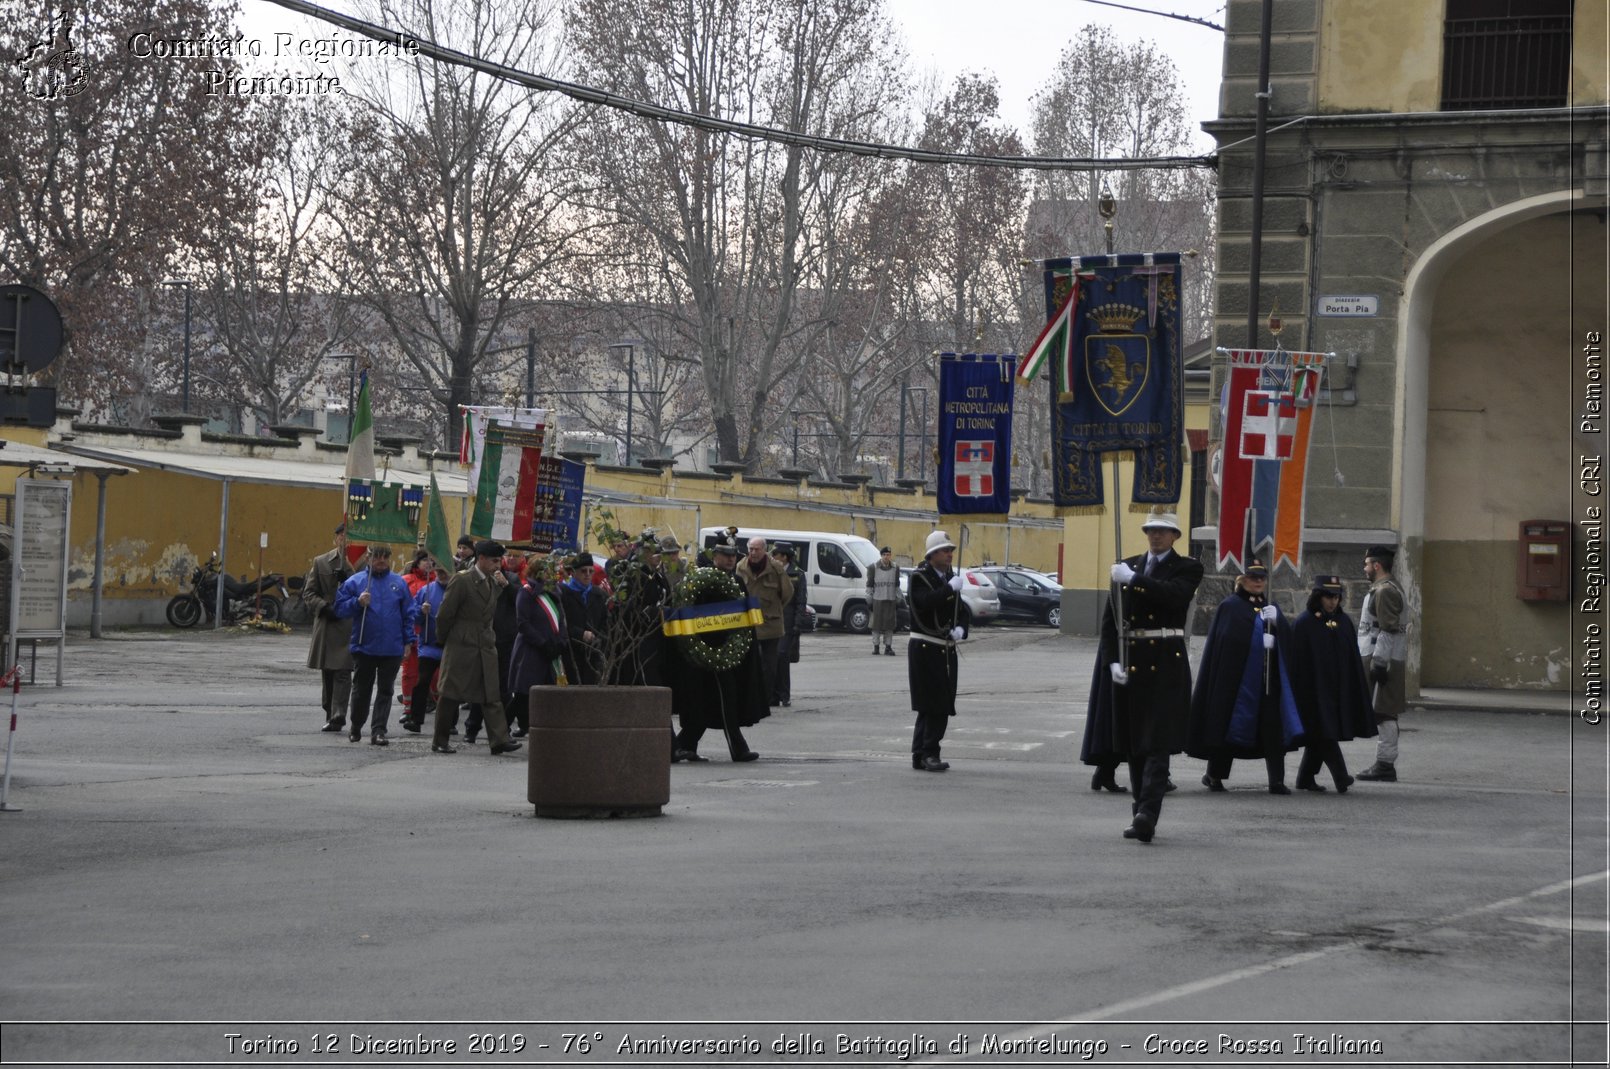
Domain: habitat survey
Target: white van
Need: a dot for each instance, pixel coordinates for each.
(834, 565)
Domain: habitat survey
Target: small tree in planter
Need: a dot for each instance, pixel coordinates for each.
(604, 750)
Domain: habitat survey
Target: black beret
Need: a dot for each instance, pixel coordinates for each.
(1385, 554)
(582, 560)
(784, 548)
(489, 548)
(466, 540)
(341, 529)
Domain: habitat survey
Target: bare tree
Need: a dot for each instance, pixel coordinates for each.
(455, 210)
(113, 160)
(735, 226)
(272, 311)
(1107, 99)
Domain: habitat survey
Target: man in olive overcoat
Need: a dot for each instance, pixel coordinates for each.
(328, 651)
(469, 671)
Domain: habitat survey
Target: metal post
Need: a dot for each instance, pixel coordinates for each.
(1108, 207)
(100, 554)
(530, 366)
(631, 383)
(900, 466)
(185, 401)
(223, 570)
(796, 440)
(1259, 136)
(922, 454)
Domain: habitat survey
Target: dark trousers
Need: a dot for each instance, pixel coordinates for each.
(1327, 752)
(768, 666)
(782, 680)
(1148, 780)
(497, 733)
(419, 700)
(928, 734)
(519, 711)
(688, 739)
(335, 692)
(1275, 764)
(372, 676)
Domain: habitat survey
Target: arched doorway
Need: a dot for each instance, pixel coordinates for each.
(1488, 342)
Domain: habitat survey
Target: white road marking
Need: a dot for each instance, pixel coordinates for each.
(1208, 983)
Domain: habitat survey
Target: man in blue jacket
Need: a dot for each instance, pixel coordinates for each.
(382, 614)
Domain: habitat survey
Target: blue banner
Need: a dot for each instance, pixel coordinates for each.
(556, 518)
(975, 434)
(567, 511)
(1117, 388)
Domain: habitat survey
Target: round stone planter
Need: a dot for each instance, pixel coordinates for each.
(599, 751)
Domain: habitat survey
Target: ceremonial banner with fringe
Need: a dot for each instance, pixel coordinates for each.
(716, 616)
(505, 495)
(1118, 388)
(975, 435)
(1267, 410)
(557, 515)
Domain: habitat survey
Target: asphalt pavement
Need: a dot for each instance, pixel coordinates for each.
(197, 874)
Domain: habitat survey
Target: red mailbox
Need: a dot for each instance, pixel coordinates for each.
(1543, 564)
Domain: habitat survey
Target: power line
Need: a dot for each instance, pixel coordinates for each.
(604, 98)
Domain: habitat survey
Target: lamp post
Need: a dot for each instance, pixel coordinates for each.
(352, 387)
(631, 387)
(184, 397)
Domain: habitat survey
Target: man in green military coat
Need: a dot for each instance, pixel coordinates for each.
(328, 651)
(469, 671)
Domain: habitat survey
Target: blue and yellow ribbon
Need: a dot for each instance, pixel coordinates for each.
(716, 616)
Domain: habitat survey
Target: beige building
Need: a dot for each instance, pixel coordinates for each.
(1434, 213)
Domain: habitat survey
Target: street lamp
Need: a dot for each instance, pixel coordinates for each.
(631, 386)
(352, 386)
(184, 398)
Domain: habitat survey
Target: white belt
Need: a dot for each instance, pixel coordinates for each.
(1161, 632)
(918, 636)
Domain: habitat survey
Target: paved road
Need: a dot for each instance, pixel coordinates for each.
(191, 848)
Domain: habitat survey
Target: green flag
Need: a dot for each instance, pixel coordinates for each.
(438, 540)
(361, 439)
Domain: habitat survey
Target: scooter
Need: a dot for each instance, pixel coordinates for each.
(264, 596)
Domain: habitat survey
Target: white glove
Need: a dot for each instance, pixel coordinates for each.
(1122, 573)
(1119, 676)
(1268, 640)
(1270, 613)
(956, 583)
(957, 634)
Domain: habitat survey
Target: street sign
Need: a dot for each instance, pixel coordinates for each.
(1349, 304)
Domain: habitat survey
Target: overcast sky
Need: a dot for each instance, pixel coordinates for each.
(1016, 40)
(1019, 42)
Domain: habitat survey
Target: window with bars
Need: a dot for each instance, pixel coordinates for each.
(1506, 54)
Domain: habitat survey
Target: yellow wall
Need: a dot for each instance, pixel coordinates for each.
(1380, 55)
(1386, 55)
(1590, 45)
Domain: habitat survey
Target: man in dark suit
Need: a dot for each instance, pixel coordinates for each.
(1142, 684)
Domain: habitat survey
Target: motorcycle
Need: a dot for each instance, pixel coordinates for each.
(243, 599)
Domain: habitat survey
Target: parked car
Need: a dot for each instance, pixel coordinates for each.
(834, 566)
(979, 592)
(1027, 595)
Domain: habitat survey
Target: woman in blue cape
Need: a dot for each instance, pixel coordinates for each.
(1243, 704)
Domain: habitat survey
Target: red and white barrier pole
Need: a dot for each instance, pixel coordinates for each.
(14, 677)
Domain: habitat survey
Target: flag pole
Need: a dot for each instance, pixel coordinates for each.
(1107, 206)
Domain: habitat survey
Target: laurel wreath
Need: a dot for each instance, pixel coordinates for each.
(719, 651)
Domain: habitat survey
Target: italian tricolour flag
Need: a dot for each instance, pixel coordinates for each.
(510, 463)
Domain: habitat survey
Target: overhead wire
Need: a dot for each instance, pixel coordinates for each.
(592, 95)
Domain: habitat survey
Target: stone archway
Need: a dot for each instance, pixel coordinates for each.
(1486, 348)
